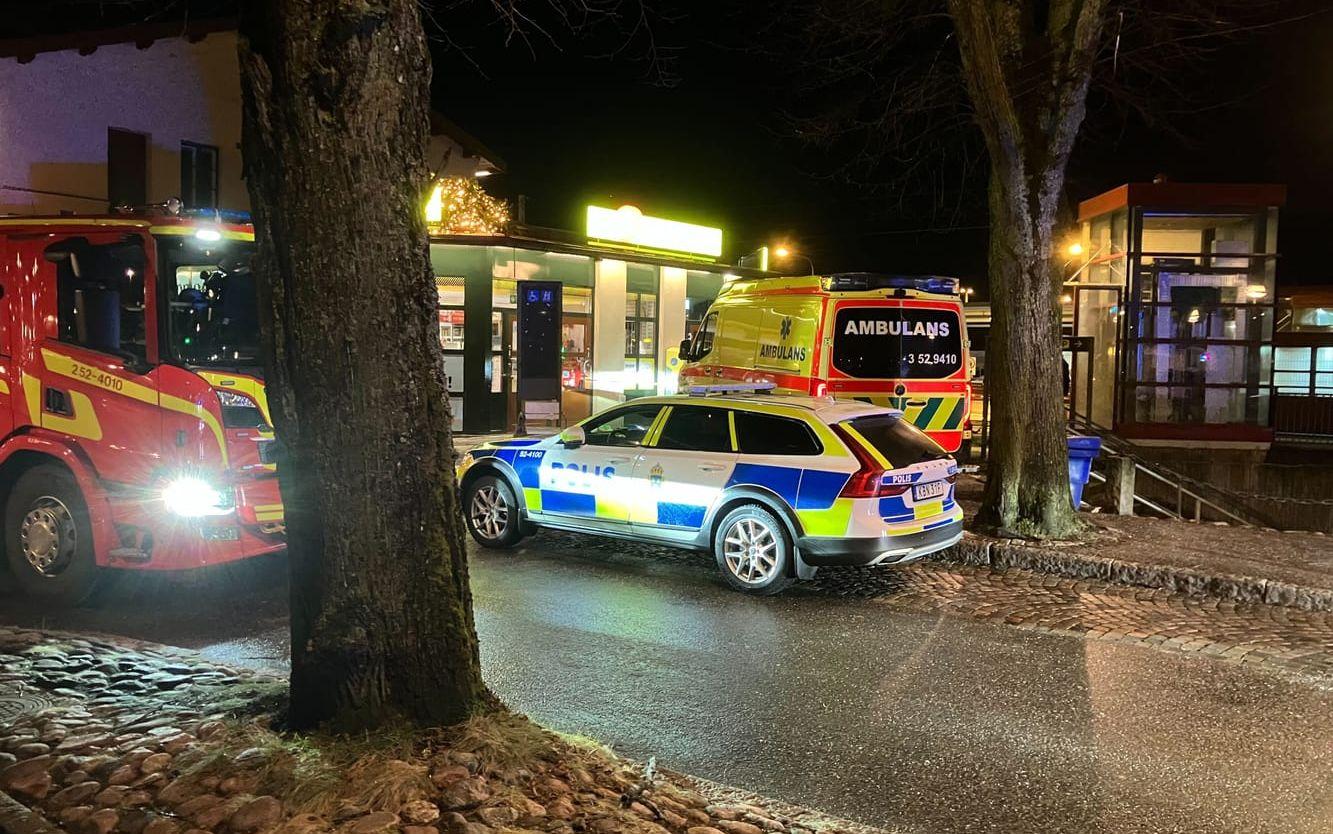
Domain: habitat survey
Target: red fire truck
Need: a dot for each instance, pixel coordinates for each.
(134, 431)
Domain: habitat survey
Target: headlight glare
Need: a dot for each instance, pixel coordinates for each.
(193, 497)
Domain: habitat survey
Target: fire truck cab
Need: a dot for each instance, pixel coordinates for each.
(134, 430)
(891, 340)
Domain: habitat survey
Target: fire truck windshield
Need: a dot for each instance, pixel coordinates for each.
(212, 310)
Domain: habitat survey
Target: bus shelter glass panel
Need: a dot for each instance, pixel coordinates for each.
(1092, 388)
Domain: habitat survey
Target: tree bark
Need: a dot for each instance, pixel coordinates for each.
(334, 137)
(1027, 64)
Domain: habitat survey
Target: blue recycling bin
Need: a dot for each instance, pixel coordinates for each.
(1082, 451)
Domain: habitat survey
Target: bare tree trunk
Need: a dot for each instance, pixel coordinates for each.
(335, 131)
(1027, 65)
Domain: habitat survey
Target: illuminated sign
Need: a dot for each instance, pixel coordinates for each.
(630, 227)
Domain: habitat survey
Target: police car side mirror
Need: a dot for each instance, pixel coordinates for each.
(573, 437)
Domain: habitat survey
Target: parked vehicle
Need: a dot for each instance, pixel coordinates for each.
(134, 431)
(774, 486)
(891, 340)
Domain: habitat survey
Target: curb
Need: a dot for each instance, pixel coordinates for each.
(15, 818)
(980, 551)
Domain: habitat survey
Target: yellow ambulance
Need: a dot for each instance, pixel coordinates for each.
(892, 340)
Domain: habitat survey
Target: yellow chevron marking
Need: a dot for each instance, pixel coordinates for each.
(4, 387)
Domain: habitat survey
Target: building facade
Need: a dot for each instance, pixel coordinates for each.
(140, 115)
(624, 314)
(1173, 297)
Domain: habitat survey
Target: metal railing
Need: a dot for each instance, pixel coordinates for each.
(1218, 501)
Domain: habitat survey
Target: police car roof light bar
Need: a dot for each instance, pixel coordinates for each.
(731, 388)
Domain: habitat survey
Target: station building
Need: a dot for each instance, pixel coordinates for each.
(633, 286)
(1173, 303)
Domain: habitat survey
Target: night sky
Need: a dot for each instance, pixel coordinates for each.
(575, 126)
(580, 114)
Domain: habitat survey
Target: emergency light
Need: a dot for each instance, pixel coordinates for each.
(731, 388)
(844, 281)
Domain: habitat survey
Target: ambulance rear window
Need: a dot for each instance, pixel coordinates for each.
(898, 440)
(897, 342)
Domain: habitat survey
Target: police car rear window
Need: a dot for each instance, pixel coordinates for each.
(897, 342)
(764, 434)
(902, 443)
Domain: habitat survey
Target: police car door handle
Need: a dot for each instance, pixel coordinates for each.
(711, 467)
(618, 460)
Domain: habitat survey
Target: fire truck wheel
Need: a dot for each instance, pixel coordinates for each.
(48, 537)
(754, 551)
(491, 512)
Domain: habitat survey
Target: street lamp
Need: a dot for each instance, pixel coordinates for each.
(784, 252)
(966, 293)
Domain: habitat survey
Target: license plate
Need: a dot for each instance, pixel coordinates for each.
(934, 489)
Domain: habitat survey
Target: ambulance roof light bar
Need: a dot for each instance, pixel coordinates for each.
(731, 388)
(875, 281)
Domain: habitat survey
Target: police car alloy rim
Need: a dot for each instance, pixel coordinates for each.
(750, 550)
(48, 536)
(489, 512)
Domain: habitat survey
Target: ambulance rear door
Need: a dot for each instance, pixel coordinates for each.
(906, 353)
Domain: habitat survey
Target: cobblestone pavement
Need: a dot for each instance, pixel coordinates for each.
(1276, 637)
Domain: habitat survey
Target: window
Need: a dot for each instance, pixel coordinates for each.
(640, 327)
(100, 295)
(199, 175)
(897, 342)
(211, 299)
(622, 427)
(902, 443)
(126, 167)
(703, 340)
(696, 429)
(763, 434)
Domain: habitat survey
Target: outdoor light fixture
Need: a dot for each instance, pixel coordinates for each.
(783, 251)
(483, 172)
(1256, 291)
(193, 497)
(1066, 299)
(1074, 249)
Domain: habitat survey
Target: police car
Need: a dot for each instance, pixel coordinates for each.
(775, 486)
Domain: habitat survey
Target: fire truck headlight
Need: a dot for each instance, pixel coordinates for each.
(192, 497)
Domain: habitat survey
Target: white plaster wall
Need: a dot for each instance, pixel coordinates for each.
(55, 111)
(671, 326)
(608, 334)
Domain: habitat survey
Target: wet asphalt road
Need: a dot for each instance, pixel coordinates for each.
(911, 720)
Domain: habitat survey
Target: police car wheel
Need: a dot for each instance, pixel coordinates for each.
(49, 537)
(491, 511)
(754, 550)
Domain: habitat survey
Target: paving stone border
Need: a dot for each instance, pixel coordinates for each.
(983, 551)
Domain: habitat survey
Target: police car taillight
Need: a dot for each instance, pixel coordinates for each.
(868, 481)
